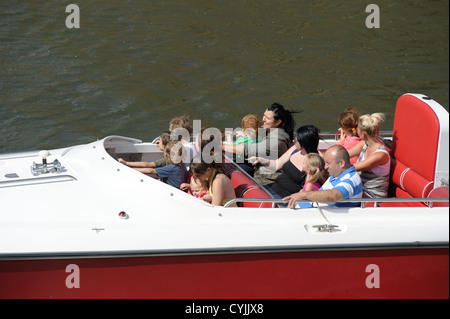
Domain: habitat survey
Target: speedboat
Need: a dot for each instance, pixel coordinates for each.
(76, 223)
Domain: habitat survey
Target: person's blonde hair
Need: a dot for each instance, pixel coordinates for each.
(371, 123)
(315, 163)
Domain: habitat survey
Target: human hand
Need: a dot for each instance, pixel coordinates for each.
(207, 198)
(342, 133)
(185, 187)
(203, 193)
(294, 198)
(121, 160)
(255, 160)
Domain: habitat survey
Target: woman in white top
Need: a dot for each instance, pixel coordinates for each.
(374, 161)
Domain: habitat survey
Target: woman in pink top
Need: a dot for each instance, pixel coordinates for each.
(348, 122)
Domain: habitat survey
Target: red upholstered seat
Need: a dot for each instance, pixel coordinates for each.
(246, 187)
(414, 150)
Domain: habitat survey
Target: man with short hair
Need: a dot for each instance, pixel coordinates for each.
(344, 182)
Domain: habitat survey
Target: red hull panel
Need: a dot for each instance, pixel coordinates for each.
(408, 273)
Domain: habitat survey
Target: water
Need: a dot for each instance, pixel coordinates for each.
(133, 65)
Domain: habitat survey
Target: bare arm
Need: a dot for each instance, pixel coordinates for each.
(137, 164)
(235, 149)
(375, 159)
(273, 165)
(222, 189)
(185, 187)
(342, 135)
(355, 150)
(218, 193)
(146, 170)
(308, 187)
(323, 196)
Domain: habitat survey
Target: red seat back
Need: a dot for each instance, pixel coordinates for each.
(414, 149)
(246, 187)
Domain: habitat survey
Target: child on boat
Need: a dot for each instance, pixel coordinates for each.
(198, 189)
(181, 129)
(249, 133)
(316, 175)
(348, 122)
(164, 139)
(250, 126)
(173, 172)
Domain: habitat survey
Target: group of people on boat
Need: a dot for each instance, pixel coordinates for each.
(359, 161)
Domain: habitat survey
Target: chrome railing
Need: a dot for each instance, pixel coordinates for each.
(427, 201)
(336, 134)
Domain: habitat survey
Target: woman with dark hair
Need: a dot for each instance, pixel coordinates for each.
(212, 174)
(279, 125)
(292, 178)
(281, 114)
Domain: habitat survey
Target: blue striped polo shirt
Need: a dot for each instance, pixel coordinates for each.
(348, 183)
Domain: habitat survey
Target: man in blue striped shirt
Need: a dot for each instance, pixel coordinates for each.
(344, 182)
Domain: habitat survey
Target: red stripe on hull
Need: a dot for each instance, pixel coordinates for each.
(409, 273)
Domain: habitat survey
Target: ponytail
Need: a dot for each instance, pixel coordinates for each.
(315, 163)
(287, 120)
(371, 123)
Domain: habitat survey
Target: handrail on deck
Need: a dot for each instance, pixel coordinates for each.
(336, 134)
(358, 200)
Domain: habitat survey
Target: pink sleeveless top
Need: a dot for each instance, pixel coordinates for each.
(316, 186)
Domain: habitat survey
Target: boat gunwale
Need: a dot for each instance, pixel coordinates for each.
(220, 251)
